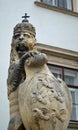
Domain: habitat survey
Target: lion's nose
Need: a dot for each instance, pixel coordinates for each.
(21, 37)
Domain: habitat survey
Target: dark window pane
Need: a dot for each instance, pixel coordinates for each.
(71, 77)
(47, 1)
(74, 93)
(62, 3)
(66, 4)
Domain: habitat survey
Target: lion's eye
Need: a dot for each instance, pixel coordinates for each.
(16, 36)
(27, 35)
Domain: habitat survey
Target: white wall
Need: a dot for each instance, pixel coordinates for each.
(57, 29)
(52, 28)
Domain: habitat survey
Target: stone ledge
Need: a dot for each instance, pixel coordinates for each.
(59, 56)
(73, 124)
(69, 54)
(54, 8)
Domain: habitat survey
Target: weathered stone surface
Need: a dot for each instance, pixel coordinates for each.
(44, 101)
(38, 101)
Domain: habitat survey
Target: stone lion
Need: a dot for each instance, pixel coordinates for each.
(38, 101)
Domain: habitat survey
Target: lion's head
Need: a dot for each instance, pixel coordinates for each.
(23, 40)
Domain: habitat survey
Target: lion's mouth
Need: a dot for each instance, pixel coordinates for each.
(21, 49)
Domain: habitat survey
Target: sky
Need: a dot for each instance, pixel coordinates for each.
(10, 14)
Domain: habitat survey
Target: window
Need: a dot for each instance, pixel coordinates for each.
(63, 6)
(71, 78)
(66, 4)
(57, 71)
(74, 115)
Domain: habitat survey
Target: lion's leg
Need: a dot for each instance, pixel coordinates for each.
(15, 122)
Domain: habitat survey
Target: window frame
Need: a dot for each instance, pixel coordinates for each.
(69, 86)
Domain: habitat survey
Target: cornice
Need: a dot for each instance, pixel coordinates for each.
(59, 52)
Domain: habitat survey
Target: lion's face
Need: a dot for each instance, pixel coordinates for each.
(24, 42)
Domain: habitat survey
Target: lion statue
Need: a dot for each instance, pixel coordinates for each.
(38, 101)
